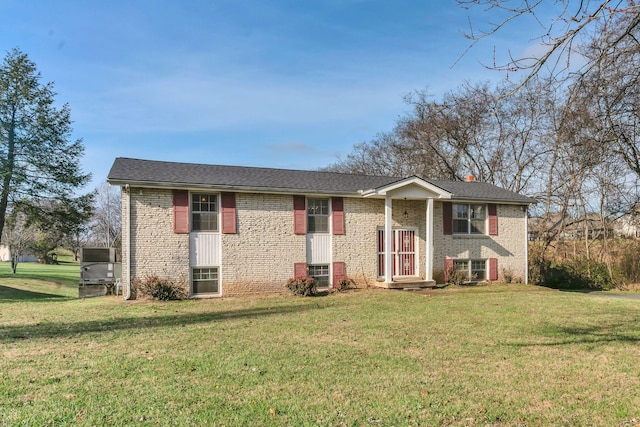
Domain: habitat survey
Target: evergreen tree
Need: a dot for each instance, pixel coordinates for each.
(39, 160)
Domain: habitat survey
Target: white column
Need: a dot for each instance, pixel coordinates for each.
(388, 240)
(429, 240)
(526, 245)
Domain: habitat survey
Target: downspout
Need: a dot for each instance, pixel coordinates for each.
(127, 286)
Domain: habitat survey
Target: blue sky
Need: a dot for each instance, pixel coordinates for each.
(286, 84)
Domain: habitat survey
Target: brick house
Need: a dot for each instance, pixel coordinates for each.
(229, 230)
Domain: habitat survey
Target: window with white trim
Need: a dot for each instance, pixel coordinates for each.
(469, 219)
(318, 215)
(320, 274)
(205, 280)
(204, 212)
(474, 270)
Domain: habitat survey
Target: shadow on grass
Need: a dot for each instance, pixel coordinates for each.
(42, 276)
(9, 294)
(68, 329)
(558, 335)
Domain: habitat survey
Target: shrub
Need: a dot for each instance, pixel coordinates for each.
(303, 286)
(581, 273)
(161, 289)
(457, 277)
(628, 262)
(507, 273)
(345, 284)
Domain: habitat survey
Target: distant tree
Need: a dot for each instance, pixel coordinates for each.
(57, 221)
(39, 162)
(19, 237)
(105, 227)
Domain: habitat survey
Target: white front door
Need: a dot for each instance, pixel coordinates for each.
(403, 252)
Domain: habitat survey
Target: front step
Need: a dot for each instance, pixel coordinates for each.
(407, 284)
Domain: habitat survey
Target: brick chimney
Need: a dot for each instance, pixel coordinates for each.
(470, 178)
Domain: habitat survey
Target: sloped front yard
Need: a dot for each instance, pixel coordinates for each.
(499, 356)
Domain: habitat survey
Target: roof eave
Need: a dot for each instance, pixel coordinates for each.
(384, 190)
(236, 188)
(488, 200)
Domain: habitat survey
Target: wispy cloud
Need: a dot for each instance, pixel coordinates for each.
(290, 147)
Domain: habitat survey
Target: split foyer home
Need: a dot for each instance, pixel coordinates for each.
(229, 230)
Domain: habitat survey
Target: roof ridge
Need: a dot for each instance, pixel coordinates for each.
(261, 167)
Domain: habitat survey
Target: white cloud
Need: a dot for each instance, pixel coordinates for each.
(288, 147)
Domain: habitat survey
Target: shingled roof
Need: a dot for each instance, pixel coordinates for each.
(153, 173)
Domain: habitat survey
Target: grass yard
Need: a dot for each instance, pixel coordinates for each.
(499, 355)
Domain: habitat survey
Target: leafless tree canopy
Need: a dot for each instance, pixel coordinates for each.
(562, 36)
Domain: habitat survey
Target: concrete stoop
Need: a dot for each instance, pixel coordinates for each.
(407, 283)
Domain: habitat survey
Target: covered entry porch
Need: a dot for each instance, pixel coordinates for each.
(398, 244)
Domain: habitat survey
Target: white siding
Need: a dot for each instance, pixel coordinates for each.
(205, 249)
(318, 248)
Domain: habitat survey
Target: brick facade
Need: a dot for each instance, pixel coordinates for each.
(260, 256)
(509, 247)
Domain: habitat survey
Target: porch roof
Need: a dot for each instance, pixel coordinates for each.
(151, 173)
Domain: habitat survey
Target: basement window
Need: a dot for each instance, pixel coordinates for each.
(474, 270)
(205, 281)
(320, 274)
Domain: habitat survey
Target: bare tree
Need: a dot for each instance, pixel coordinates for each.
(474, 130)
(106, 223)
(19, 236)
(562, 34)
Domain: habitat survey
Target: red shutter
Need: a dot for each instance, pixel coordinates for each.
(180, 211)
(493, 268)
(300, 269)
(299, 215)
(447, 218)
(337, 212)
(228, 206)
(448, 266)
(493, 219)
(339, 273)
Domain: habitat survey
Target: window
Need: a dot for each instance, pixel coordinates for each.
(474, 270)
(469, 219)
(318, 215)
(205, 280)
(320, 274)
(204, 212)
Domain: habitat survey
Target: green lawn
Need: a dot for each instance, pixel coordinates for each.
(498, 355)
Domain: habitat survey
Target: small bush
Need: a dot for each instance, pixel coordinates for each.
(345, 284)
(161, 289)
(457, 277)
(304, 286)
(507, 274)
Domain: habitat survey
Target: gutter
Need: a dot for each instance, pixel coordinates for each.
(127, 286)
(235, 188)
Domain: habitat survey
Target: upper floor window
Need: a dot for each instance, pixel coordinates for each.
(318, 215)
(469, 219)
(204, 212)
